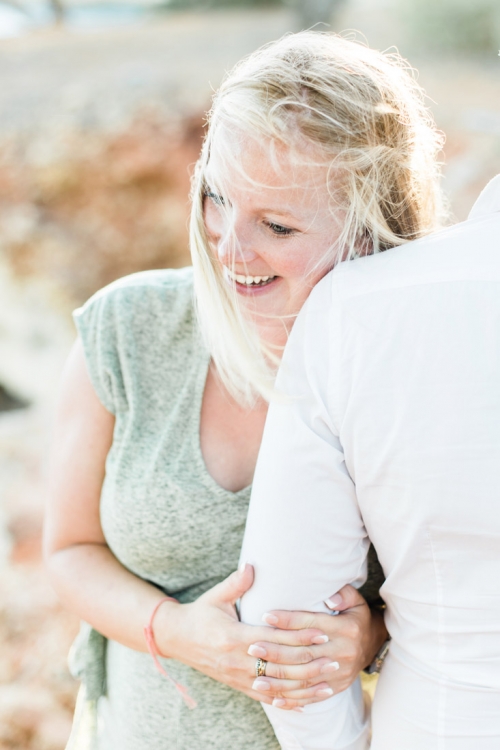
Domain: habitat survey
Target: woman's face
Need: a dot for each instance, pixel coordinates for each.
(272, 230)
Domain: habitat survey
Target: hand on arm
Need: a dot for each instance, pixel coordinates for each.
(208, 636)
(354, 638)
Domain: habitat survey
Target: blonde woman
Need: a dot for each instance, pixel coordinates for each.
(317, 150)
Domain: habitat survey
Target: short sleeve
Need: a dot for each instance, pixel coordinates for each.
(98, 323)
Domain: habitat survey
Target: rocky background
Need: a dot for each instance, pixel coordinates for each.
(99, 129)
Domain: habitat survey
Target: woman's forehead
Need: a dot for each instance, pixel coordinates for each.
(243, 162)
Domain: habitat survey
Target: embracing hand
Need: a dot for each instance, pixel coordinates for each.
(208, 636)
(352, 639)
(304, 664)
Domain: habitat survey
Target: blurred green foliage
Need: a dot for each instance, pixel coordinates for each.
(207, 4)
(308, 12)
(470, 26)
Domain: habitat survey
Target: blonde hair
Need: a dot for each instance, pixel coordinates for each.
(364, 112)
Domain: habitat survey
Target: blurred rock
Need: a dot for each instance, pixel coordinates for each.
(8, 401)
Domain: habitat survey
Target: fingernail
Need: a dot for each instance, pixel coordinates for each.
(324, 691)
(278, 702)
(299, 710)
(270, 619)
(257, 651)
(319, 639)
(241, 568)
(331, 667)
(334, 601)
(260, 685)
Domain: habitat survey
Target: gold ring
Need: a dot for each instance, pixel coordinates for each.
(260, 667)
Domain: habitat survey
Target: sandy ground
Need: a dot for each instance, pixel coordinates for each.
(87, 120)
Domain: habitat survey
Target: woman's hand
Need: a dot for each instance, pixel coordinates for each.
(354, 638)
(208, 636)
(310, 656)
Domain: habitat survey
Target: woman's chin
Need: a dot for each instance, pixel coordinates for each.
(263, 300)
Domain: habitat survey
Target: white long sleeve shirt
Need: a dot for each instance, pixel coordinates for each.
(392, 431)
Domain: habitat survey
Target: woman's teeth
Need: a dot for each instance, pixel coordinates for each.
(249, 280)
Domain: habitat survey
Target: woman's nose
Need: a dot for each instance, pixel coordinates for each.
(235, 246)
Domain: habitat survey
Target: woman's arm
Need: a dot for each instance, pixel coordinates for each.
(88, 578)
(92, 582)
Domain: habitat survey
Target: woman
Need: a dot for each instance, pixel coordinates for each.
(317, 150)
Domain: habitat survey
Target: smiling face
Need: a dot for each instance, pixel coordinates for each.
(271, 227)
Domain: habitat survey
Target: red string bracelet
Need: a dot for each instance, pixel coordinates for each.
(153, 650)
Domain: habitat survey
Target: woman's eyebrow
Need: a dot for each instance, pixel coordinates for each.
(295, 213)
(287, 211)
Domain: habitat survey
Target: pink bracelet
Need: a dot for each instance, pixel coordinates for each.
(153, 650)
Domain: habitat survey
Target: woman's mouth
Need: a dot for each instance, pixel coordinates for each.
(248, 282)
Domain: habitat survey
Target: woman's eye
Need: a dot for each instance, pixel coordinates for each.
(279, 229)
(217, 199)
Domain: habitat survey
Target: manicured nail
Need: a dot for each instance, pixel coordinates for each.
(270, 619)
(334, 601)
(324, 691)
(278, 702)
(241, 568)
(260, 685)
(332, 666)
(299, 710)
(257, 651)
(319, 639)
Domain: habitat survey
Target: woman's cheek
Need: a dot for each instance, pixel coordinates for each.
(213, 221)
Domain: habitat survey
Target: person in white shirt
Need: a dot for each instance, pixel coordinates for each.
(390, 429)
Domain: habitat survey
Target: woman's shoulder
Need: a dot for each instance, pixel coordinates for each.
(163, 296)
(166, 283)
(132, 326)
(160, 278)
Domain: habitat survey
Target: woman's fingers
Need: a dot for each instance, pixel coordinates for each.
(304, 637)
(273, 652)
(301, 621)
(288, 704)
(291, 689)
(303, 673)
(347, 598)
(289, 620)
(233, 587)
(351, 639)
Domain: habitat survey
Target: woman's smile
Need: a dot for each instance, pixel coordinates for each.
(245, 284)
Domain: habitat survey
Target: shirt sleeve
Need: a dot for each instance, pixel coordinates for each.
(99, 324)
(304, 535)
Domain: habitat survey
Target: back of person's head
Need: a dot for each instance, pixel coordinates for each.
(334, 102)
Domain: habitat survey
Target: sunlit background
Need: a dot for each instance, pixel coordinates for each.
(101, 110)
